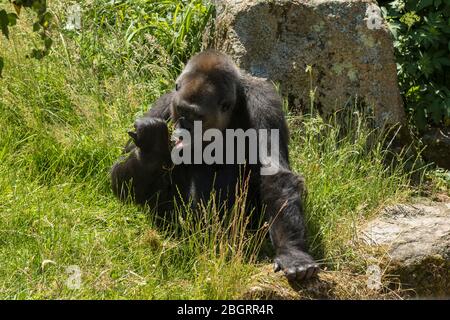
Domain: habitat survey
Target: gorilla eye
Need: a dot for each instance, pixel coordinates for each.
(225, 106)
(177, 87)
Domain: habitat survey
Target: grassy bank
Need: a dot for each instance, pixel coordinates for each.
(63, 121)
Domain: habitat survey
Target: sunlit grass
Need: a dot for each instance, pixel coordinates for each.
(63, 121)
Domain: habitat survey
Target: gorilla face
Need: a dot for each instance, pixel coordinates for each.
(205, 92)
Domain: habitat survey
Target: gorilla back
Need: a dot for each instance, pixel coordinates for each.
(214, 91)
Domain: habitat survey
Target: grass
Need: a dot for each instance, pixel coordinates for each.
(63, 121)
(350, 175)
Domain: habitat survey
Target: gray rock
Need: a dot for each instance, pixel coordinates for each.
(417, 240)
(413, 232)
(351, 53)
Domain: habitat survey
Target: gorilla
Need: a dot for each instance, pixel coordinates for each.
(213, 90)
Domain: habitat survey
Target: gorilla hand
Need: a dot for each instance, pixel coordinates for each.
(296, 265)
(151, 137)
(141, 174)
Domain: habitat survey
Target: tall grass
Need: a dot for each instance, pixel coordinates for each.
(151, 38)
(63, 121)
(350, 174)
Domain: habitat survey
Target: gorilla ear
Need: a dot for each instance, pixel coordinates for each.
(133, 135)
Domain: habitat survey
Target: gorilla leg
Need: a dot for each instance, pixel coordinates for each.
(281, 195)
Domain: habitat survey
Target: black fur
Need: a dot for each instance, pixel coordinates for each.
(142, 175)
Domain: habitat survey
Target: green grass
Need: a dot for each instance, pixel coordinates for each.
(350, 175)
(63, 122)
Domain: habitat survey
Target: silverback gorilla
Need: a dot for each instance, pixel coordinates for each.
(212, 89)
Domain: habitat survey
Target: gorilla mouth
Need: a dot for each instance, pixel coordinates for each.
(177, 139)
(178, 143)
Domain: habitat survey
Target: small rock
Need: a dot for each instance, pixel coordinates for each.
(417, 240)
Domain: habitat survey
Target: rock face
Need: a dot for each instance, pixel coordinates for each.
(417, 241)
(345, 42)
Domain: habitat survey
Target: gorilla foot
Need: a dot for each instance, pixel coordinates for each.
(296, 265)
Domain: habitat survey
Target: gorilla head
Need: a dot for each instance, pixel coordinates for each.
(206, 91)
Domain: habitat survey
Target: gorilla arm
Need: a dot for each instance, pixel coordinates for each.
(281, 191)
(161, 108)
(143, 175)
(135, 178)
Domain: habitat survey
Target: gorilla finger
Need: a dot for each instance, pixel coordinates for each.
(316, 270)
(290, 273)
(310, 271)
(301, 273)
(276, 266)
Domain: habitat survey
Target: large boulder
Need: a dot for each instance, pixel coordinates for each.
(346, 43)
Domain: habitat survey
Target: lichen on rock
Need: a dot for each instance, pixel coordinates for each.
(346, 42)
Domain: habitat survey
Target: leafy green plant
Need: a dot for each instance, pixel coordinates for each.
(41, 25)
(421, 30)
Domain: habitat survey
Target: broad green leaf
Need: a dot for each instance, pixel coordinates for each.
(436, 110)
(420, 118)
(36, 26)
(12, 19)
(4, 21)
(48, 43)
(424, 3)
(37, 54)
